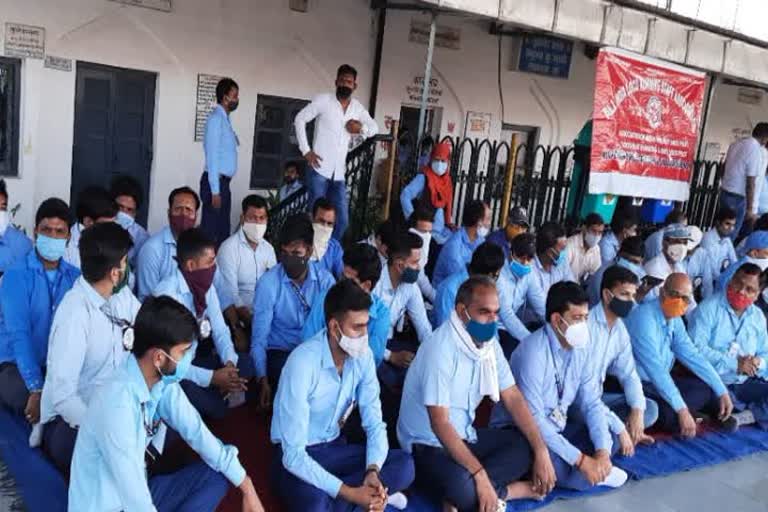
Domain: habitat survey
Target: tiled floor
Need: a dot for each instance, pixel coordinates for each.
(740, 486)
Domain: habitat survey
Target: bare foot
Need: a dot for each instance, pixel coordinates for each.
(522, 490)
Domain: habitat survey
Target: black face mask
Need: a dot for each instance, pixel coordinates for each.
(233, 105)
(294, 266)
(621, 308)
(343, 92)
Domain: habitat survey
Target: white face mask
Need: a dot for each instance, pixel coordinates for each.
(677, 252)
(577, 335)
(760, 262)
(354, 347)
(426, 238)
(125, 220)
(322, 237)
(254, 231)
(483, 231)
(591, 239)
(5, 220)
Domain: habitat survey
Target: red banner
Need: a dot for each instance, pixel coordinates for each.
(646, 118)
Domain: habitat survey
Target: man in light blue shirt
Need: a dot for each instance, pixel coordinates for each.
(326, 250)
(220, 144)
(717, 241)
(94, 206)
(128, 196)
(291, 181)
(14, 244)
(730, 332)
(658, 339)
(457, 251)
(653, 244)
(630, 256)
(29, 294)
(361, 265)
(130, 416)
(282, 302)
(553, 367)
(756, 251)
(323, 381)
(192, 286)
(629, 412)
(460, 365)
(623, 225)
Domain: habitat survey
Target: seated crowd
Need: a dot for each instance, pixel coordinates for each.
(372, 358)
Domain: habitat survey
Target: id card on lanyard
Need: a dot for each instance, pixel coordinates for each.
(558, 415)
(302, 299)
(734, 349)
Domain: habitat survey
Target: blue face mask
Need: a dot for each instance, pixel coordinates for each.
(50, 249)
(634, 267)
(439, 167)
(519, 269)
(482, 332)
(125, 220)
(560, 258)
(182, 367)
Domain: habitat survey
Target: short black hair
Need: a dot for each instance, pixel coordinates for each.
(487, 259)
(562, 296)
(523, 246)
(422, 213)
(297, 227)
(623, 219)
(322, 203)
(387, 231)
(191, 244)
(402, 244)
(725, 213)
(183, 190)
(548, 235)
(54, 208)
(594, 219)
(102, 247)
(468, 288)
(162, 323)
(124, 185)
(254, 201)
(292, 164)
(223, 87)
(761, 224)
(346, 69)
(363, 259)
(3, 189)
(615, 275)
(676, 216)
(95, 202)
(343, 297)
(634, 246)
(473, 213)
(750, 269)
(760, 131)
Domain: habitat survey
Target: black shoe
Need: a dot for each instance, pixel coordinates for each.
(730, 425)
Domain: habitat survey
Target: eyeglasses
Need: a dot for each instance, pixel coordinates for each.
(677, 295)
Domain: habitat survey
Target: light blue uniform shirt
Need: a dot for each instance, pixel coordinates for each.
(654, 244)
(280, 309)
(537, 364)
(29, 300)
(108, 470)
(14, 245)
(287, 190)
(220, 145)
(378, 324)
(333, 259)
(499, 237)
(609, 247)
(517, 294)
(722, 337)
(440, 233)
(311, 400)
(406, 297)
(139, 235)
(611, 353)
(443, 375)
(445, 296)
(596, 280)
(657, 342)
(176, 287)
(544, 280)
(721, 251)
(455, 255)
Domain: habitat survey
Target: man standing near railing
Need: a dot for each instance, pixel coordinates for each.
(339, 116)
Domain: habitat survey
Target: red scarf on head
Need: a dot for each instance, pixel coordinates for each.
(440, 187)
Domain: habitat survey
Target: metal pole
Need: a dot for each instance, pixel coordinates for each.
(391, 167)
(509, 179)
(427, 78)
(705, 115)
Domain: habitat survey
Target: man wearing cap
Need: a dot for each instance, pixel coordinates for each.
(756, 246)
(584, 249)
(517, 223)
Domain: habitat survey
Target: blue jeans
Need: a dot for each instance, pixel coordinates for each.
(193, 489)
(215, 222)
(738, 204)
(333, 190)
(752, 395)
(345, 461)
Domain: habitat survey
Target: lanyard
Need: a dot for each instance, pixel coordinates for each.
(301, 297)
(559, 381)
(150, 426)
(53, 287)
(737, 330)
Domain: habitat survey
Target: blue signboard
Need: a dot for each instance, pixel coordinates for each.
(545, 55)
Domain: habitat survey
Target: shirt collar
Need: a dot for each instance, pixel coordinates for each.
(181, 284)
(385, 280)
(326, 358)
(311, 273)
(91, 295)
(599, 312)
(136, 379)
(554, 343)
(243, 240)
(168, 236)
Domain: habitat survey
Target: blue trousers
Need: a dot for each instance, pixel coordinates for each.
(333, 190)
(617, 402)
(752, 395)
(569, 477)
(13, 391)
(209, 401)
(196, 488)
(345, 461)
(276, 360)
(215, 222)
(59, 443)
(739, 205)
(697, 395)
(505, 455)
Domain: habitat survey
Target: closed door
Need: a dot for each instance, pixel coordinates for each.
(113, 133)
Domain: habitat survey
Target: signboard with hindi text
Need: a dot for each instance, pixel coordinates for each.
(206, 102)
(24, 41)
(646, 120)
(545, 55)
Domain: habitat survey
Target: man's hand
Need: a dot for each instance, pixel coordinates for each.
(687, 423)
(265, 394)
(240, 339)
(627, 444)
(747, 365)
(543, 476)
(726, 407)
(216, 201)
(592, 470)
(487, 499)
(313, 159)
(750, 217)
(366, 497)
(32, 410)
(354, 127)
(635, 426)
(227, 379)
(251, 501)
(244, 313)
(401, 359)
(373, 481)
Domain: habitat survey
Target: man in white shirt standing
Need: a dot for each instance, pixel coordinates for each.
(339, 117)
(583, 248)
(745, 165)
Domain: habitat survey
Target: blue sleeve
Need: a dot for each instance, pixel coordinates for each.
(623, 368)
(418, 314)
(536, 297)
(223, 292)
(148, 271)
(448, 262)
(214, 128)
(411, 192)
(338, 262)
(264, 298)
(686, 351)
(378, 333)
(316, 320)
(508, 313)
(377, 445)
(761, 348)
(15, 303)
(592, 408)
(445, 298)
(222, 337)
(701, 328)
